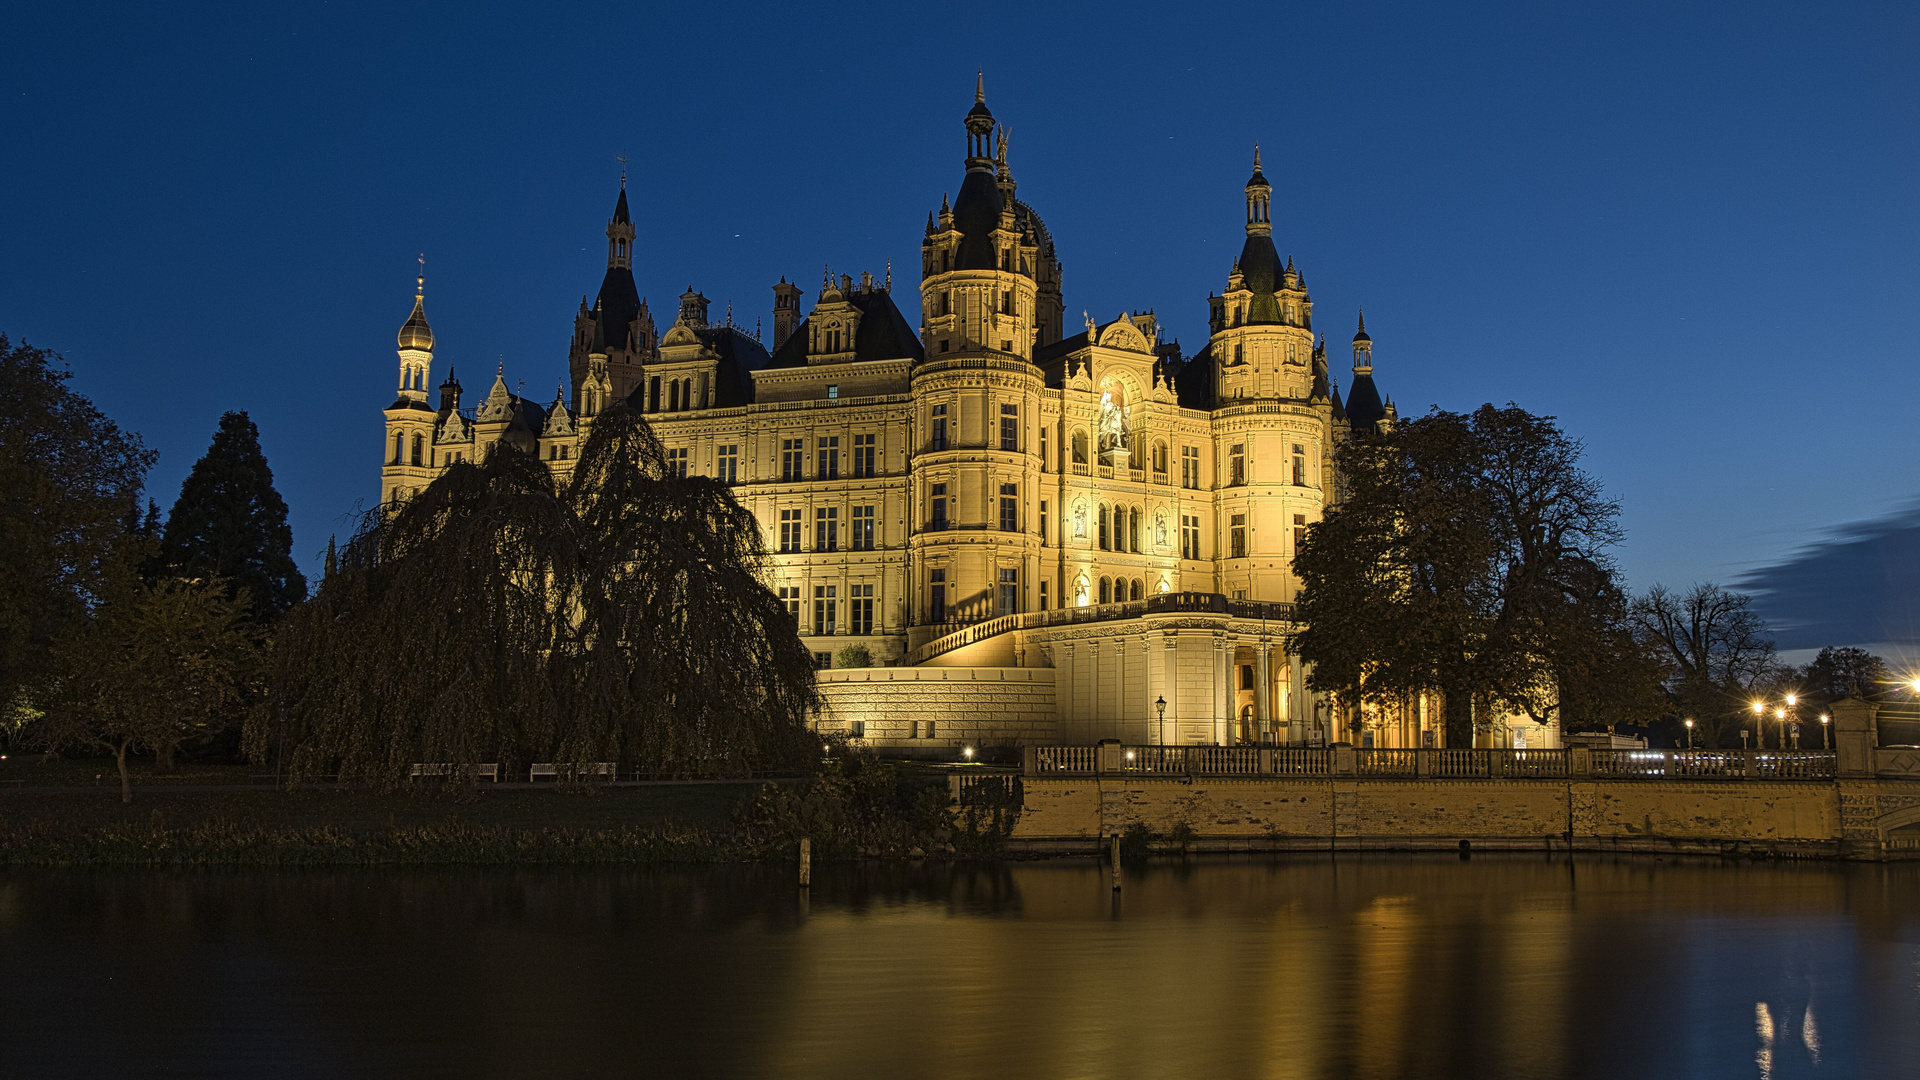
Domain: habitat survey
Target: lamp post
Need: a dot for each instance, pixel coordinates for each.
(1759, 716)
(1689, 733)
(1790, 716)
(1824, 721)
(1160, 703)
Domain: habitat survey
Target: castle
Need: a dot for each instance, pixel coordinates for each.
(1037, 536)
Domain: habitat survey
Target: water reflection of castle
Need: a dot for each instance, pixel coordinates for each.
(1093, 523)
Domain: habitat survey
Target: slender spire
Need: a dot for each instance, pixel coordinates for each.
(415, 333)
(980, 87)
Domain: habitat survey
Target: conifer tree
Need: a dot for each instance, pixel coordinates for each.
(230, 523)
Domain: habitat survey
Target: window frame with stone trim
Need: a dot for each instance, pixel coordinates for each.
(826, 528)
(793, 460)
(860, 528)
(1190, 468)
(726, 464)
(1009, 426)
(863, 456)
(1009, 507)
(827, 457)
(826, 610)
(860, 609)
(1237, 536)
(792, 525)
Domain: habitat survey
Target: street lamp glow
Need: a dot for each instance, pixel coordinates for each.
(967, 753)
(1790, 700)
(1759, 709)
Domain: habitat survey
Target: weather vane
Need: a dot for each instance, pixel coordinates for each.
(622, 159)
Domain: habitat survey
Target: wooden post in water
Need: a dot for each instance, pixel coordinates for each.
(806, 862)
(1116, 862)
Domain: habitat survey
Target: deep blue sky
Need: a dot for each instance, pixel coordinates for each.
(1689, 233)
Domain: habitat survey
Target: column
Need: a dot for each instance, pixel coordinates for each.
(1170, 683)
(1064, 691)
(1262, 681)
(1223, 689)
(1296, 701)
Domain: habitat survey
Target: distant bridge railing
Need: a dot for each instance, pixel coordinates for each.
(1171, 603)
(1115, 759)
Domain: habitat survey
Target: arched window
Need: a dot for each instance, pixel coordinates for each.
(1133, 531)
(1080, 447)
(1106, 537)
(673, 396)
(1106, 590)
(1139, 589)
(419, 449)
(399, 445)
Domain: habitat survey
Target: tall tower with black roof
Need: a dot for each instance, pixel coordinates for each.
(989, 295)
(618, 318)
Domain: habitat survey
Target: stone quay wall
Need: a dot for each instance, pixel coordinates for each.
(1732, 802)
(938, 711)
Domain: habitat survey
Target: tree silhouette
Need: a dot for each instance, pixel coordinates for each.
(230, 523)
(497, 617)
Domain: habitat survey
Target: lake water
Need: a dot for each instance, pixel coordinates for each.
(1303, 967)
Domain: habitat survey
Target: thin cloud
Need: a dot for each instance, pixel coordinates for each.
(1858, 585)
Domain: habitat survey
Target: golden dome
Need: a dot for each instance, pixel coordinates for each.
(415, 333)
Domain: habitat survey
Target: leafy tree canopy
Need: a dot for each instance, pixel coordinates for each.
(1714, 654)
(69, 490)
(497, 617)
(1470, 555)
(230, 523)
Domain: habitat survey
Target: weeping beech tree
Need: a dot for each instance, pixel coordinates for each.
(497, 617)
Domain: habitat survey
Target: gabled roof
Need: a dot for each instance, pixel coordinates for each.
(740, 356)
(883, 333)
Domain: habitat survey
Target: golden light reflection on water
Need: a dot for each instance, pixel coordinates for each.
(1305, 968)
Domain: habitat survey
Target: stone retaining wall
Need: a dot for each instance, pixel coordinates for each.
(1341, 813)
(963, 706)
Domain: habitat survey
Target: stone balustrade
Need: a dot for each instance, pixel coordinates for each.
(1477, 764)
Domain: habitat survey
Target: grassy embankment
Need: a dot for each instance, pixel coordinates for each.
(68, 813)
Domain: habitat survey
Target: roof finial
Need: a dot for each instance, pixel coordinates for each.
(1256, 157)
(889, 285)
(622, 159)
(980, 87)
(826, 277)
(420, 283)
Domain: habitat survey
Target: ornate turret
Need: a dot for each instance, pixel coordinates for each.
(1364, 408)
(620, 230)
(1259, 200)
(416, 345)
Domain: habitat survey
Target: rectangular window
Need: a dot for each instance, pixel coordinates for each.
(833, 391)
(863, 455)
(1189, 536)
(939, 439)
(727, 464)
(936, 596)
(825, 609)
(826, 528)
(913, 729)
(1009, 507)
(1043, 448)
(790, 530)
(677, 463)
(1009, 427)
(1237, 536)
(790, 596)
(1190, 467)
(1246, 676)
(939, 520)
(793, 456)
(1007, 602)
(830, 458)
(861, 524)
(860, 609)
(823, 661)
(1299, 465)
(856, 729)
(653, 394)
(1237, 465)
(1299, 532)
(1043, 594)
(1043, 521)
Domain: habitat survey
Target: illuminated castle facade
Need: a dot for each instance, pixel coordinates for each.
(1037, 535)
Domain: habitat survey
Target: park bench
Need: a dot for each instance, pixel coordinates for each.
(478, 772)
(571, 770)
